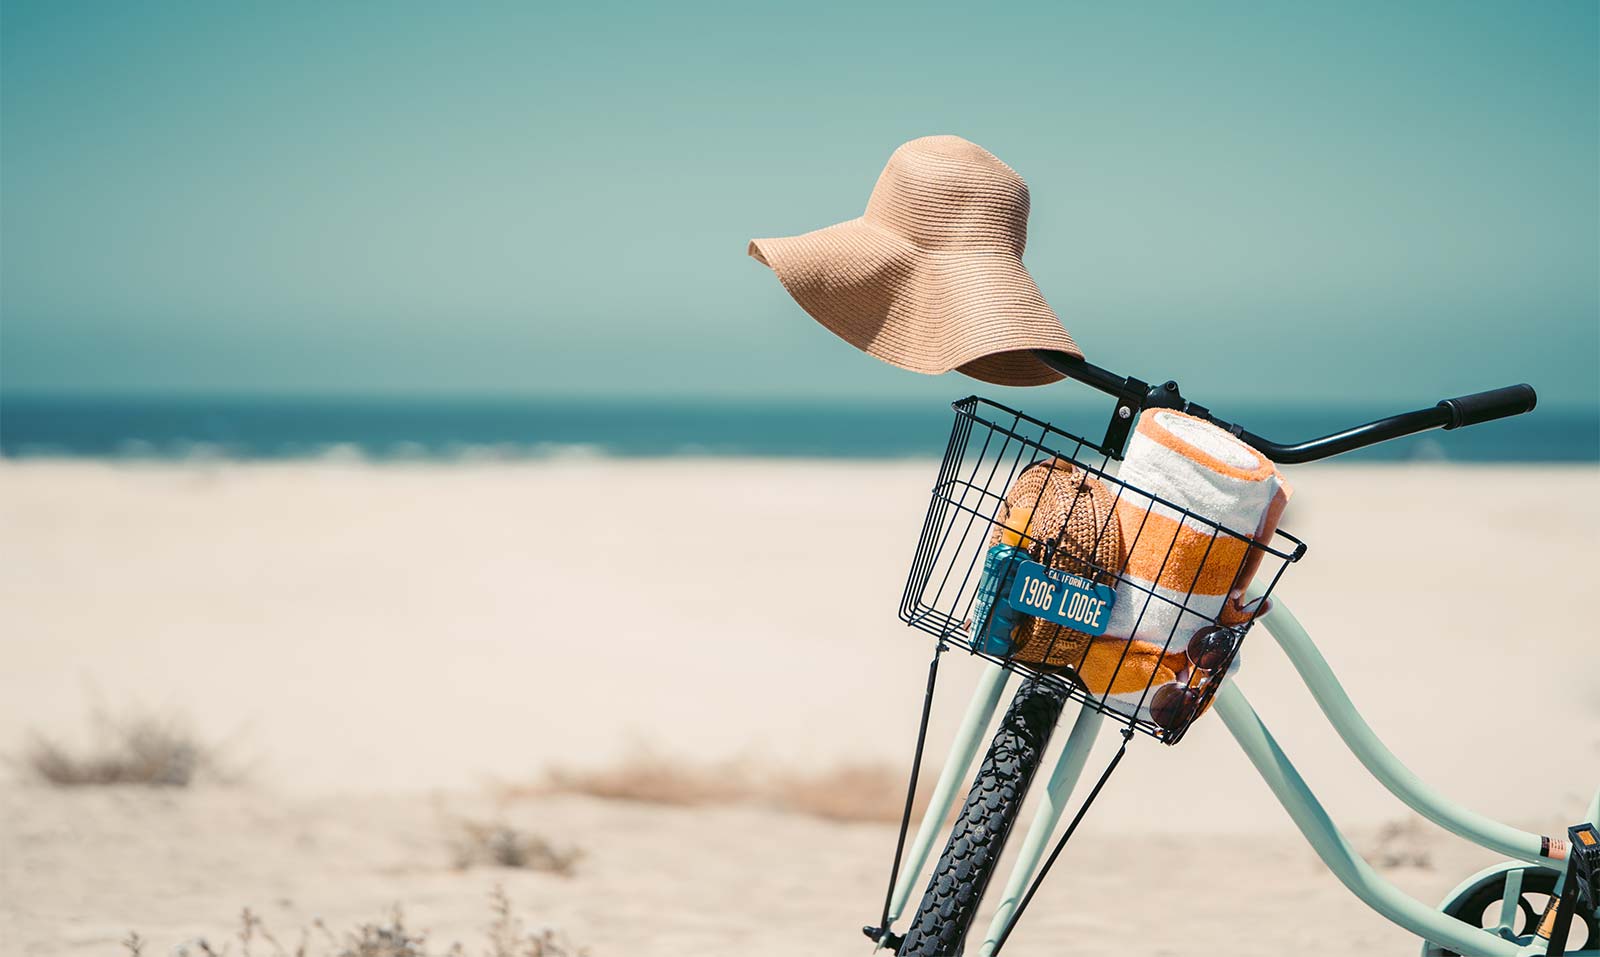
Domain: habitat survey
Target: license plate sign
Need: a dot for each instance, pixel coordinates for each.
(1071, 601)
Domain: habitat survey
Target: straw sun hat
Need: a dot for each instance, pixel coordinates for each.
(930, 278)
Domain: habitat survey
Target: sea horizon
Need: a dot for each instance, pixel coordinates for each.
(467, 428)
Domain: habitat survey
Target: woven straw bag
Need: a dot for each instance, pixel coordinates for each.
(1055, 503)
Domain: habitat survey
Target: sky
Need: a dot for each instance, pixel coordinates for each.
(1291, 202)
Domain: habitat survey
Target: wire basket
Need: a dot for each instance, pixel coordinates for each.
(972, 573)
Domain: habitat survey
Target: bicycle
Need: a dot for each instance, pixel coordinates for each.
(1494, 912)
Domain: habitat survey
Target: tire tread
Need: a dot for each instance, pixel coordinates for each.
(962, 874)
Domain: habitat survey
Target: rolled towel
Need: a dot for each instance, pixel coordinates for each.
(1180, 569)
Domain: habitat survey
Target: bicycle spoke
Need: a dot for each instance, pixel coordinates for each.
(1509, 901)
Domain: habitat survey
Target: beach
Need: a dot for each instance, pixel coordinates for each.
(380, 651)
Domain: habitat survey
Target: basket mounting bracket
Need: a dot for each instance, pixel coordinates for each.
(1130, 395)
(1133, 397)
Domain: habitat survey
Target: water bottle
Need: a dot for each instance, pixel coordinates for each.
(992, 616)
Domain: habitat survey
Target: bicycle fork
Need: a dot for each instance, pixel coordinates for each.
(1063, 779)
(980, 711)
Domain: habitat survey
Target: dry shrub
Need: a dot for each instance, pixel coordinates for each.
(386, 938)
(649, 778)
(1401, 843)
(505, 936)
(148, 749)
(497, 844)
(509, 938)
(847, 792)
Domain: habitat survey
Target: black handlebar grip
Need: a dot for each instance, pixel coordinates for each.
(1491, 405)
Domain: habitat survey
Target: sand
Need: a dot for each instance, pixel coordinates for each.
(376, 646)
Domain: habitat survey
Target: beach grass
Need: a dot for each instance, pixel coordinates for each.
(506, 935)
(847, 791)
(496, 843)
(137, 748)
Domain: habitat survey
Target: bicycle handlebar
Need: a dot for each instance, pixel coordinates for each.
(1133, 395)
(1487, 406)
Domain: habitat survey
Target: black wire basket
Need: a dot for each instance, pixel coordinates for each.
(977, 565)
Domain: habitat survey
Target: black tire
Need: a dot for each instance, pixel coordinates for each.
(962, 874)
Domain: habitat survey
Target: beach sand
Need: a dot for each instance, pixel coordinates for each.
(378, 647)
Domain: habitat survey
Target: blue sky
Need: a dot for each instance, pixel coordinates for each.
(1386, 202)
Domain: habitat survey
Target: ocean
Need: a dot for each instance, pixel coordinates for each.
(384, 430)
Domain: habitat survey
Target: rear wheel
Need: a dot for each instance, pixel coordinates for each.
(1480, 905)
(959, 879)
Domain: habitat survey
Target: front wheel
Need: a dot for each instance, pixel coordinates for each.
(959, 879)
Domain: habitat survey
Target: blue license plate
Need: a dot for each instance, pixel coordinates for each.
(1066, 599)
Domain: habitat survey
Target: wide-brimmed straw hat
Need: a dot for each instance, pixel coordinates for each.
(930, 278)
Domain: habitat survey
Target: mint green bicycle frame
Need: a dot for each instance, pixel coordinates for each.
(1287, 786)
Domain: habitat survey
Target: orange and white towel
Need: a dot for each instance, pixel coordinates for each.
(1180, 569)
